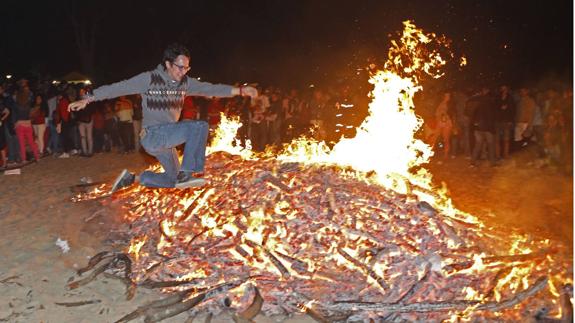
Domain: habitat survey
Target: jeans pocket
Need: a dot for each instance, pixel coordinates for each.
(153, 140)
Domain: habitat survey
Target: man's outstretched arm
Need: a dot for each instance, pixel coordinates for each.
(198, 88)
(134, 85)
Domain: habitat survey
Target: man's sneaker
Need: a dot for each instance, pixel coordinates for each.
(124, 180)
(64, 155)
(185, 180)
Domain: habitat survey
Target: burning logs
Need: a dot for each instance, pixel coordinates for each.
(356, 250)
(177, 303)
(440, 306)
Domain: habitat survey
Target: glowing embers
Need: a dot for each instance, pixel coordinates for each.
(331, 238)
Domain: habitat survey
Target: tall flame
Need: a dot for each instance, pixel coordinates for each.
(385, 142)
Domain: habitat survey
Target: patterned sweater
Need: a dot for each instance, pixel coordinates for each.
(162, 97)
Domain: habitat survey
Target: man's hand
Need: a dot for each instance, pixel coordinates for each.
(78, 105)
(249, 91)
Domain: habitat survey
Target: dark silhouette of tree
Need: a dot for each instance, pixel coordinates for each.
(85, 19)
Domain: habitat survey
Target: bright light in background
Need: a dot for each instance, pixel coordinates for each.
(8, 76)
(85, 82)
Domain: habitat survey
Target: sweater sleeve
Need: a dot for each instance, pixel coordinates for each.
(197, 88)
(135, 85)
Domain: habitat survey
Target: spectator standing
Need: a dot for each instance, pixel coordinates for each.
(462, 122)
(137, 119)
(317, 108)
(125, 112)
(524, 118)
(243, 106)
(65, 124)
(257, 127)
(341, 117)
(566, 104)
(86, 127)
(38, 118)
(443, 124)
(203, 104)
(483, 121)
(305, 115)
(12, 141)
(112, 138)
(4, 114)
(263, 100)
(290, 106)
(23, 124)
(72, 92)
(53, 145)
(554, 138)
(538, 127)
(215, 107)
(190, 109)
(505, 116)
(566, 107)
(274, 119)
(99, 125)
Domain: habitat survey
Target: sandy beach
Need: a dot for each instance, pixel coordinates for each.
(36, 211)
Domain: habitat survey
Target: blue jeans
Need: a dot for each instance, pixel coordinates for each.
(13, 146)
(161, 140)
(54, 139)
(481, 138)
(464, 136)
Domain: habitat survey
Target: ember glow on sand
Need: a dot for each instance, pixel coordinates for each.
(347, 233)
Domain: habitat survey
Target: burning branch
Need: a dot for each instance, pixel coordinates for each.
(440, 306)
(370, 273)
(177, 303)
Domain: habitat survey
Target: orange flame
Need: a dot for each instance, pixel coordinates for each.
(385, 141)
(136, 245)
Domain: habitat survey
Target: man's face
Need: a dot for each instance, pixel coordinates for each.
(178, 69)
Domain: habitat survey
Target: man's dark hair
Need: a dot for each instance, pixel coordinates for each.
(173, 51)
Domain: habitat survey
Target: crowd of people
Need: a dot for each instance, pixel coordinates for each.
(37, 123)
(491, 124)
(488, 123)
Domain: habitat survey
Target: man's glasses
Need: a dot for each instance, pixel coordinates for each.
(184, 69)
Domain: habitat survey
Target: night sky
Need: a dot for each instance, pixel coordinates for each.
(285, 43)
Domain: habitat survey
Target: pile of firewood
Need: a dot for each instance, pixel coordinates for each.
(279, 239)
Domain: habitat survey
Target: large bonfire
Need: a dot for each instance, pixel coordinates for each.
(353, 233)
